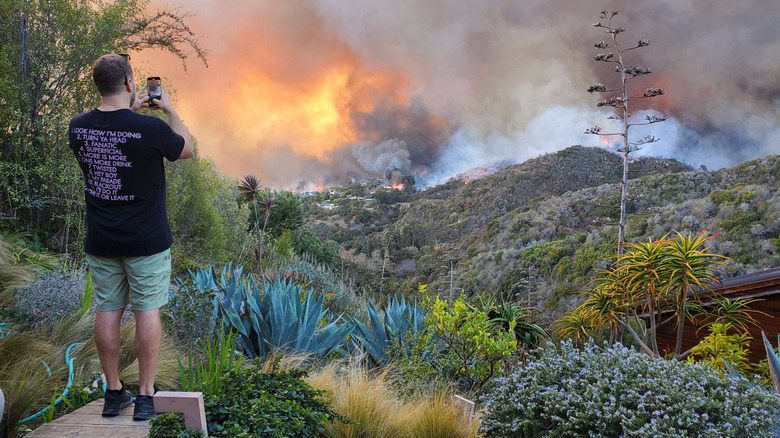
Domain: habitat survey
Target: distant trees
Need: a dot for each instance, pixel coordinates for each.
(619, 98)
(390, 196)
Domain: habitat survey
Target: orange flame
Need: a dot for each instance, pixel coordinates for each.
(398, 186)
(312, 118)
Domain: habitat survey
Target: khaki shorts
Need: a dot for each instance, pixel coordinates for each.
(140, 281)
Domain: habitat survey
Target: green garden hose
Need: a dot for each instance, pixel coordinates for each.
(69, 361)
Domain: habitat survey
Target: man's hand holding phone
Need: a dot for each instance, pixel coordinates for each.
(153, 96)
(154, 89)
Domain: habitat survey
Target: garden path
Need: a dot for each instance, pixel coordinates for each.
(87, 422)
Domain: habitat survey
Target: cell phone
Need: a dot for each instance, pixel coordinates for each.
(154, 89)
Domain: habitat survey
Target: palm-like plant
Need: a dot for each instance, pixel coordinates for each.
(735, 312)
(266, 204)
(689, 266)
(650, 278)
(579, 324)
(608, 304)
(643, 269)
(510, 316)
(248, 190)
(263, 201)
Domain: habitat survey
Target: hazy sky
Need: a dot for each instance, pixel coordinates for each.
(305, 93)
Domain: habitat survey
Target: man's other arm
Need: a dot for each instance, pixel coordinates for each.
(178, 127)
(175, 122)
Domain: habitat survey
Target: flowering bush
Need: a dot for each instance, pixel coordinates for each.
(618, 392)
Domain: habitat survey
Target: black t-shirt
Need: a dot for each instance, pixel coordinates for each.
(121, 156)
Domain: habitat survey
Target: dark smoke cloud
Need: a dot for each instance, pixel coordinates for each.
(506, 80)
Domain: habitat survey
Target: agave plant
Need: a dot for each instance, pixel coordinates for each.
(400, 321)
(773, 362)
(278, 320)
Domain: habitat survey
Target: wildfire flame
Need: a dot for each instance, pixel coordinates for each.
(311, 118)
(398, 186)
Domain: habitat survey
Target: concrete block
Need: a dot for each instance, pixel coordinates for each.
(466, 406)
(190, 404)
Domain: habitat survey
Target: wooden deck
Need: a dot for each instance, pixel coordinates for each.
(88, 422)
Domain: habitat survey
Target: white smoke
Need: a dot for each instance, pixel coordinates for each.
(383, 157)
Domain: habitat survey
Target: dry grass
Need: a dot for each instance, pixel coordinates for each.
(437, 417)
(24, 377)
(33, 367)
(364, 398)
(18, 265)
(367, 397)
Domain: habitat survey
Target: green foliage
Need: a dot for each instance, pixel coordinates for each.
(282, 318)
(473, 350)
(86, 300)
(615, 391)
(198, 229)
(257, 404)
(390, 196)
(286, 213)
(221, 356)
(191, 313)
(723, 343)
(306, 242)
(732, 196)
(740, 222)
(171, 425)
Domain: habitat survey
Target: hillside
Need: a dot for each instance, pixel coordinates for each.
(552, 217)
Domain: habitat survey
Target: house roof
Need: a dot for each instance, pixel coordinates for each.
(755, 285)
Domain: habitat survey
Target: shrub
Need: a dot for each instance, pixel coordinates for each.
(171, 425)
(191, 313)
(257, 404)
(473, 351)
(620, 392)
(57, 294)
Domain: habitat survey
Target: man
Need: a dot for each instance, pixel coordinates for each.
(128, 239)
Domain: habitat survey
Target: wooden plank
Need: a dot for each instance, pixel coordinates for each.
(88, 422)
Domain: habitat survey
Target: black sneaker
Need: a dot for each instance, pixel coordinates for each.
(116, 400)
(144, 408)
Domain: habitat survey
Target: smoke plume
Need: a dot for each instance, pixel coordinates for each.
(310, 92)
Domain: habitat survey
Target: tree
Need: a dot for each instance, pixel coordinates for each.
(650, 279)
(619, 99)
(198, 229)
(278, 211)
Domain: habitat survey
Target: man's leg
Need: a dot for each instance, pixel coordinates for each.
(107, 339)
(148, 334)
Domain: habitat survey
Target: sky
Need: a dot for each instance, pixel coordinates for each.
(305, 93)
